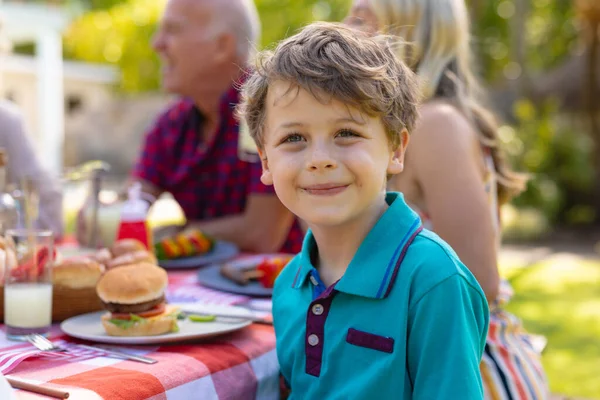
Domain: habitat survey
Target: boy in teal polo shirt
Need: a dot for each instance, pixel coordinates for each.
(374, 307)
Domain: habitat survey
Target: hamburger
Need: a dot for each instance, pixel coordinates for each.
(134, 297)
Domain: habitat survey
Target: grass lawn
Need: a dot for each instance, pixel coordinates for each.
(560, 298)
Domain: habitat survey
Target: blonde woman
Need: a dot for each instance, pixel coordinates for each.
(455, 174)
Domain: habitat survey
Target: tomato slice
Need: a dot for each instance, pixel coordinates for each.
(154, 311)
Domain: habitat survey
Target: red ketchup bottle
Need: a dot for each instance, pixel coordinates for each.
(134, 213)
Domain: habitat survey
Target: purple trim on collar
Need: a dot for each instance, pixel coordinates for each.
(400, 259)
(328, 291)
(400, 247)
(315, 326)
(296, 277)
(370, 340)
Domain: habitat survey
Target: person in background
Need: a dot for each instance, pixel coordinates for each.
(374, 306)
(24, 163)
(456, 175)
(193, 149)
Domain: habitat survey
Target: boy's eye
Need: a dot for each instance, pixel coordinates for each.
(346, 133)
(293, 138)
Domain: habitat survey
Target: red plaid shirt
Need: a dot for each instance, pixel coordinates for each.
(208, 180)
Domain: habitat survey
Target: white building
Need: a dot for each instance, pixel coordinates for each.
(48, 89)
(85, 87)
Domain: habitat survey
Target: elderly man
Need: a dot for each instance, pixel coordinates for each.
(193, 150)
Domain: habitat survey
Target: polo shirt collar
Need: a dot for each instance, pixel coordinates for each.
(371, 269)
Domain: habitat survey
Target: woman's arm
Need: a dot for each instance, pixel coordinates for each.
(447, 162)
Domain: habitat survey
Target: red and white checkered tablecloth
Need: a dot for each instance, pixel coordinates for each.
(241, 365)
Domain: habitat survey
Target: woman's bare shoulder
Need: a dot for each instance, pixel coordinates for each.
(442, 125)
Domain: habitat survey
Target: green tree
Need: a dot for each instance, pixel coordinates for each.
(549, 34)
(119, 35)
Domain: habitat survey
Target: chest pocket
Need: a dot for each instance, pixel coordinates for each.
(370, 340)
(369, 350)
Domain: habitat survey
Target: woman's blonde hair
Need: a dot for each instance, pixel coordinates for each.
(436, 45)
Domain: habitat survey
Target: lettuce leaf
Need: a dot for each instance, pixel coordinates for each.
(124, 323)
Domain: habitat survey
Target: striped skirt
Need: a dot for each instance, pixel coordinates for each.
(511, 367)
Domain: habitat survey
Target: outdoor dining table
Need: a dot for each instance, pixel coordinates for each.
(239, 365)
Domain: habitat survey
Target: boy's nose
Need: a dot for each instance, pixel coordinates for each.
(321, 159)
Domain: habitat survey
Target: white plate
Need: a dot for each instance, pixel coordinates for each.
(89, 327)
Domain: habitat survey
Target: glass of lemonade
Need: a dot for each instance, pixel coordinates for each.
(28, 283)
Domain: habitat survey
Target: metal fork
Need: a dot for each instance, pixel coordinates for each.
(44, 344)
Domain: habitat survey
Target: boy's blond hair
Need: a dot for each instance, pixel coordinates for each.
(331, 60)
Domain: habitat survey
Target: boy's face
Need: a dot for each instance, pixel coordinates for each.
(328, 162)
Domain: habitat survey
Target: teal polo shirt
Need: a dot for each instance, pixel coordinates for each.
(406, 321)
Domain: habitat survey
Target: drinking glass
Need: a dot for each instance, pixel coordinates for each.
(28, 283)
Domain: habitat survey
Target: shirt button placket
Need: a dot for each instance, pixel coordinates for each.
(315, 331)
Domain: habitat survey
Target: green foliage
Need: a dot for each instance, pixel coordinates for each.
(557, 154)
(280, 18)
(120, 35)
(550, 34)
(119, 32)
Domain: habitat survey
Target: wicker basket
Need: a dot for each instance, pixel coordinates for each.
(67, 302)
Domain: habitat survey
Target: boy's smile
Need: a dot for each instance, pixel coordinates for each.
(325, 189)
(327, 160)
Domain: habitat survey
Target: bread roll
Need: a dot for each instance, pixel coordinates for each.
(132, 258)
(124, 246)
(77, 273)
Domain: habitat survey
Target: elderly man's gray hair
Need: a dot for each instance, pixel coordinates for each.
(240, 17)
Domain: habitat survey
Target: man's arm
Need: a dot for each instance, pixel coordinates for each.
(262, 228)
(446, 338)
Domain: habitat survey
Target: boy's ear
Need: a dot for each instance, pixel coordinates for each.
(396, 164)
(266, 178)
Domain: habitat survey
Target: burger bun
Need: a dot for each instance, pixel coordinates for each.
(132, 284)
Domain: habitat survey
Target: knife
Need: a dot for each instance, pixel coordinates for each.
(245, 317)
(121, 354)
